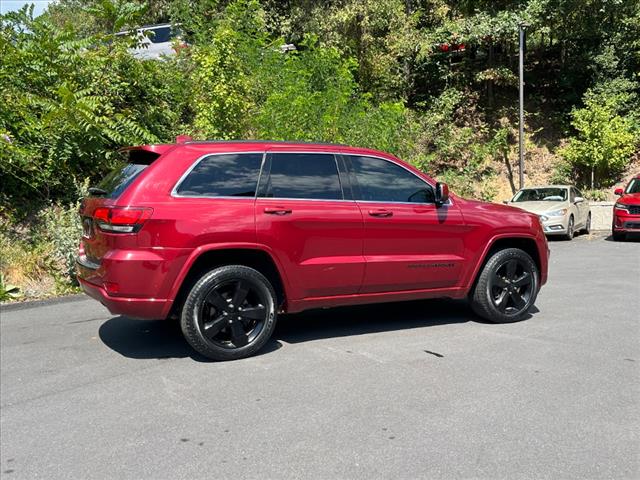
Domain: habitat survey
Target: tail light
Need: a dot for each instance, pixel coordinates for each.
(121, 219)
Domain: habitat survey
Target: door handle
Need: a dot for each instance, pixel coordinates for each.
(381, 213)
(277, 211)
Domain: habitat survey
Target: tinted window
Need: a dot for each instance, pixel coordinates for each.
(383, 181)
(160, 35)
(634, 186)
(304, 175)
(120, 178)
(551, 194)
(130, 165)
(231, 175)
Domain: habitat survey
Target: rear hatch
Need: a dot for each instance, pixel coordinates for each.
(105, 225)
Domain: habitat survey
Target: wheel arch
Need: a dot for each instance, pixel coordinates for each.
(525, 243)
(204, 259)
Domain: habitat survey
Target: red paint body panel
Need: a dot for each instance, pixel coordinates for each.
(625, 221)
(327, 253)
(319, 244)
(418, 247)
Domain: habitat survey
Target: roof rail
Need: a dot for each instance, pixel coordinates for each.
(280, 142)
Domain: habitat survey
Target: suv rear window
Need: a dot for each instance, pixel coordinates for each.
(126, 170)
(227, 175)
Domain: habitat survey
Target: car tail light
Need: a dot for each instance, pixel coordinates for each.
(121, 219)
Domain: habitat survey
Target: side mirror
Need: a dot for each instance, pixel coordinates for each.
(578, 200)
(442, 193)
(619, 191)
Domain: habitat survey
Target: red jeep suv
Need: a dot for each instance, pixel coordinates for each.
(226, 235)
(626, 211)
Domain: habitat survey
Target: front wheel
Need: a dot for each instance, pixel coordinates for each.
(570, 229)
(507, 287)
(618, 236)
(230, 313)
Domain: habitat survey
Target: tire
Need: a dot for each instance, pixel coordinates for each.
(506, 287)
(587, 225)
(570, 229)
(217, 328)
(618, 236)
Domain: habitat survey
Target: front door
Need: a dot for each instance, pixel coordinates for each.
(409, 242)
(315, 232)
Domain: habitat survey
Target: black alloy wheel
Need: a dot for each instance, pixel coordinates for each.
(511, 287)
(507, 286)
(230, 313)
(233, 313)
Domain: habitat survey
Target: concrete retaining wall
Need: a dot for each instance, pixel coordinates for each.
(601, 215)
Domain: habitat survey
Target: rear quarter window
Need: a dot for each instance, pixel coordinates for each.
(226, 175)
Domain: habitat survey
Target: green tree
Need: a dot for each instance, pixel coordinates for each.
(604, 143)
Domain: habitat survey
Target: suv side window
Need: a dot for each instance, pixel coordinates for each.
(227, 175)
(303, 175)
(380, 180)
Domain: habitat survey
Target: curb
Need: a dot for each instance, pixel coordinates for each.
(14, 306)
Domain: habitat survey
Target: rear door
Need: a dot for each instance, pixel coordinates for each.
(313, 228)
(409, 242)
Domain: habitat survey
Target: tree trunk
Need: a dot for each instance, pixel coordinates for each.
(505, 156)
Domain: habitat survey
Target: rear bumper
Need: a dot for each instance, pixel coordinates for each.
(143, 308)
(136, 283)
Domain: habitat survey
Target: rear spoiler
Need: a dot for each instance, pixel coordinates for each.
(144, 154)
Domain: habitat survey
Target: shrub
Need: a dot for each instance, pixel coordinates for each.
(604, 143)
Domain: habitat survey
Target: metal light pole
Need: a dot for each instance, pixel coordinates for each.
(521, 28)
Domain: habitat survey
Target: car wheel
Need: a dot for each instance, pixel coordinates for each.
(587, 225)
(230, 313)
(507, 287)
(618, 236)
(570, 229)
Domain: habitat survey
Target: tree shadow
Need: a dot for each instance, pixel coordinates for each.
(160, 339)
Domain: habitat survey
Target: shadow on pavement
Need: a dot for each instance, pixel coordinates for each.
(630, 237)
(146, 339)
(360, 320)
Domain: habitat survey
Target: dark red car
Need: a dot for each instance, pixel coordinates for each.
(626, 211)
(225, 235)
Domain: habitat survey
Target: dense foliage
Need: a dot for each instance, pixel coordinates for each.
(433, 81)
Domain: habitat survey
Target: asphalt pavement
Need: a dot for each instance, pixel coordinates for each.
(413, 390)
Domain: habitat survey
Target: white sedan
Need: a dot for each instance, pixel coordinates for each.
(562, 208)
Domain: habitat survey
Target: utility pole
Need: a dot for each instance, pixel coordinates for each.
(521, 28)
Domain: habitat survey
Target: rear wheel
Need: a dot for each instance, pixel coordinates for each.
(587, 225)
(230, 313)
(507, 287)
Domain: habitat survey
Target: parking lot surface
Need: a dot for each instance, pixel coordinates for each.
(413, 390)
